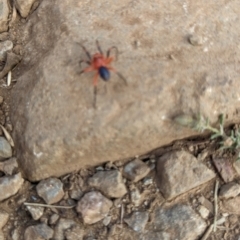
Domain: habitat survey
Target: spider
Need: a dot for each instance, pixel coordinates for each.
(101, 64)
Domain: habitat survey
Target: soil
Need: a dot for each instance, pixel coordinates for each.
(20, 217)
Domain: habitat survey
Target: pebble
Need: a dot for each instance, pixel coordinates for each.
(206, 203)
(196, 40)
(94, 207)
(53, 219)
(147, 181)
(137, 221)
(203, 211)
(51, 190)
(24, 6)
(9, 185)
(62, 225)
(75, 233)
(109, 182)
(4, 216)
(179, 221)
(229, 190)
(36, 212)
(179, 172)
(135, 196)
(4, 16)
(231, 205)
(38, 232)
(76, 193)
(5, 149)
(4, 47)
(9, 167)
(107, 220)
(136, 170)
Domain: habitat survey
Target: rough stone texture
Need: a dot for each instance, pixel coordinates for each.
(4, 216)
(5, 149)
(51, 190)
(36, 212)
(4, 12)
(9, 166)
(4, 47)
(24, 6)
(225, 168)
(179, 171)
(93, 207)
(179, 221)
(166, 76)
(75, 233)
(62, 225)
(38, 232)
(229, 190)
(136, 170)
(231, 205)
(137, 221)
(109, 182)
(156, 236)
(9, 185)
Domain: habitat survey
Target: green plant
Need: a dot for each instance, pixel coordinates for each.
(201, 124)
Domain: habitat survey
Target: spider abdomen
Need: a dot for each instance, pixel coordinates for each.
(104, 73)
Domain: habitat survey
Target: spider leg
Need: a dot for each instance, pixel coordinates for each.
(116, 52)
(95, 81)
(98, 47)
(88, 69)
(119, 75)
(84, 61)
(86, 51)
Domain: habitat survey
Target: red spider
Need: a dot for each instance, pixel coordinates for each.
(101, 64)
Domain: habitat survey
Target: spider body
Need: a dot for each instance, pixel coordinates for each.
(101, 65)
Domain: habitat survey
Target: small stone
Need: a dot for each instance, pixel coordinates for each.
(5, 149)
(62, 225)
(75, 233)
(147, 181)
(53, 219)
(225, 168)
(107, 220)
(137, 221)
(4, 36)
(179, 221)
(15, 234)
(203, 211)
(9, 166)
(76, 193)
(4, 216)
(206, 203)
(156, 236)
(94, 207)
(24, 7)
(4, 47)
(4, 10)
(51, 190)
(135, 197)
(38, 232)
(136, 170)
(231, 205)
(9, 185)
(229, 190)
(109, 182)
(179, 172)
(36, 212)
(196, 40)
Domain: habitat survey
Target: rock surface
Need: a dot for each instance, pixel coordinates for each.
(166, 76)
(137, 221)
(93, 207)
(5, 149)
(24, 6)
(179, 171)
(229, 190)
(51, 190)
(4, 12)
(38, 232)
(63, 225)
(109, 182)
(9, 185)
(181, 225)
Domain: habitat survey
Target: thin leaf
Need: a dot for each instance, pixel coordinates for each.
(7, 135)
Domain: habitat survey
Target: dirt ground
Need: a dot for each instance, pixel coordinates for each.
(20, 218)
